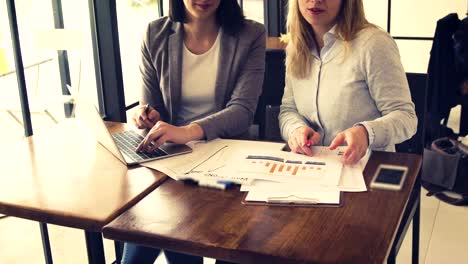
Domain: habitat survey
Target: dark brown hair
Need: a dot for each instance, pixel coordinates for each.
(229, 14)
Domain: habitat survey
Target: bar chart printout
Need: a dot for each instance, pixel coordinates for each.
(277, 166)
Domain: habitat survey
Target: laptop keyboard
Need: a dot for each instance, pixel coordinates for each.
(128, 141)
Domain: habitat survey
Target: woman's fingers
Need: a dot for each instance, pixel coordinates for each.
(294, 145)
(145, 117)
(156, 132)
(337, 141)
(355, 150)
(153, 116)
(302, 139)
(314, 139)
(357, 144)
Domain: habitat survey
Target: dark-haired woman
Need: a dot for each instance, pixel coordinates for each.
(202, 69)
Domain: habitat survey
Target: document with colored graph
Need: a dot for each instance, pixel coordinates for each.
(323, 169)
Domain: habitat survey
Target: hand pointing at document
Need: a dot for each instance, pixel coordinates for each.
(356, 138)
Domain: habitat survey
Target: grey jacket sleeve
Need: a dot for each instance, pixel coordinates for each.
(238, 114)
(389, 88)
(151, 92)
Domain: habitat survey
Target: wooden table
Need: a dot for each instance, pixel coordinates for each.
(214, 223)
(64, 177)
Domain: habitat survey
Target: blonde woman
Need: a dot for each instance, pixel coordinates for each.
(345, 84)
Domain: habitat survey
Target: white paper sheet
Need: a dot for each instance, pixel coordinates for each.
(352, 179)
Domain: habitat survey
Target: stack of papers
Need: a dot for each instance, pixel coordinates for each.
(351, 179)
(267, 173)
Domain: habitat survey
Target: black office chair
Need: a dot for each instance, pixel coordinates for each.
(418, 87)
(417, 83)
(272, 92)
(271, 124)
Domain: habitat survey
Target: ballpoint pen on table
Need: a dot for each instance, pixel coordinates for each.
(211, 184)
(222, 185)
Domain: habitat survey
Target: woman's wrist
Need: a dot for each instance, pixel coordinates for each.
(365, 132)
(194, 131)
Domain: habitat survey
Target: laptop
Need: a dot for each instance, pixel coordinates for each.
(123, 144)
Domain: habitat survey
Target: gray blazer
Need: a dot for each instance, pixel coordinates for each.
(238, 83)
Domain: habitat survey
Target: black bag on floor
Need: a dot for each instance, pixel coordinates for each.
(445, 171)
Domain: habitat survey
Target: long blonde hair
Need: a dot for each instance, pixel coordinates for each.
(350, 21)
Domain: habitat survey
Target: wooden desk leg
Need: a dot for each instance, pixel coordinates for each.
(46, 243)
(95, 247)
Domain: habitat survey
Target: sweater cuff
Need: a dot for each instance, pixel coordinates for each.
(209, 129)
(378, 135)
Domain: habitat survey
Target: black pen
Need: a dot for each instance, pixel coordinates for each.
(147, 109)
(211, 184)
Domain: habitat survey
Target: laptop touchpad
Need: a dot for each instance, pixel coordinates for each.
(173, 148)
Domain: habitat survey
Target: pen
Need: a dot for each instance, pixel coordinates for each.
(210, 184)
(227, 183)
(147, 109)
(309, 140)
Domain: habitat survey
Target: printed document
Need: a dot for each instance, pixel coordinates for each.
(210, 160)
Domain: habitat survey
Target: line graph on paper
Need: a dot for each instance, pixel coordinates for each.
(212, 162)
(216, 165)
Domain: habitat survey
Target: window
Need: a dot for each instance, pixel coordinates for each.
(11, 131)
(412, 20)
(50, 57)
(133, 18)
(254, 9)
(376, 12)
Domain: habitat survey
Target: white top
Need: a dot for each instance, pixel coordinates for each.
(367, 87)
(199, 73)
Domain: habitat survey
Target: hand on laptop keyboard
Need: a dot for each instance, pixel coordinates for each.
(163, 132)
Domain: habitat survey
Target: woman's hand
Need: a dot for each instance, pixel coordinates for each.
(302, 138)
(145, 117)
(357, 140)
(163, 132)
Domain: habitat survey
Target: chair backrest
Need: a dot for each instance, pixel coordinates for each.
(273, 86)
(418, 88)
(271, 127)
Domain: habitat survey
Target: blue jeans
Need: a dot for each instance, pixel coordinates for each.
(138, 254)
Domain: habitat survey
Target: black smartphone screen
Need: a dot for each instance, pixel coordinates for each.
(390, 176)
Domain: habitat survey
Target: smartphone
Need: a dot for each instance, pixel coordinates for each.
(389, 177)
